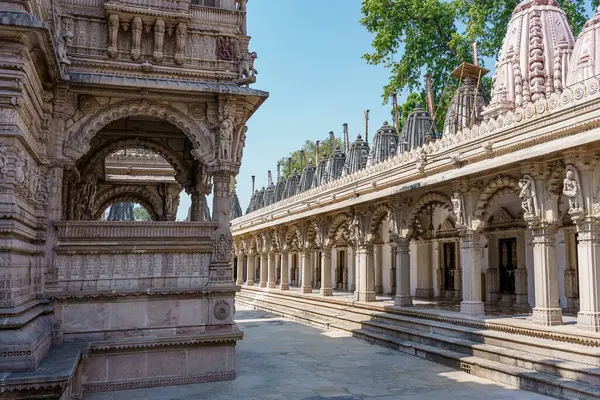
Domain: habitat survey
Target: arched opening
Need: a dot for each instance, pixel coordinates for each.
(139, 159)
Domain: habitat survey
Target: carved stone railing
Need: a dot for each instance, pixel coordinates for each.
(215, 17)
(119, 258)
(94, 230)
(576, 109)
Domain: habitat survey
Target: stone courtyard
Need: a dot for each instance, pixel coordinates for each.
(283, 360)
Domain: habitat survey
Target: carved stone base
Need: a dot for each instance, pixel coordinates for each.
(284, 286)
(271, 285)
(262, 284)
(326, 291)
(366, 296)
(239, 282)
(306, 289)
(472, 308)
(249, 283)
(403, 301)
(588, 321)
(547, 316)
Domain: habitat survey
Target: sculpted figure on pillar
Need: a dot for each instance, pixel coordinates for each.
(225, 139)
(527, 196)
(458, 208)
(572, 189)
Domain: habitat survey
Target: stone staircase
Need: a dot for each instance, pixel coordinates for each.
(554, 364)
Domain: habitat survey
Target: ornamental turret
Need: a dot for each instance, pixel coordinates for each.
(585, 61)
(335, 166)
(533, 59)
(467, 105)
(280, 186)
(291, 186)
(418, 129)
(253, 205)
(235, 209)
(121, 212)
(384, 145)
(306, 179)
(357, 156)
(269, 196)
(320, 174)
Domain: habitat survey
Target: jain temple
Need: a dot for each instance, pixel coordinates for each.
(476, 245)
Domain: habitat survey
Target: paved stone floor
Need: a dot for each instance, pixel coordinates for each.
(283, 360)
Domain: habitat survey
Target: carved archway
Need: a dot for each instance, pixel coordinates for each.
(339, 222)
(89, 162)
(378, 215)
(137, 194)
(503, 184)
(436, 198)
(80, 134)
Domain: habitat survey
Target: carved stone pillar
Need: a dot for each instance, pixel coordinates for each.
(263, 270)
(159, 35)
(113, 33)
(521, 282)
(588, 249)
(403, 297)
(250, 273)
(470, 251)
(366, 268)
(240, 269)
(271, 270)
(305, 259)
(136, 32)
(316, 275)
(284, 271)
(378, 263)
(547, 310)
(326, 272)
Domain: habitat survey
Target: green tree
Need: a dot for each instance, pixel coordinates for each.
(412, 37)
(141, 214)
(325, 150)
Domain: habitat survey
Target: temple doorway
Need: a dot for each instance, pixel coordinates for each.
(507, 264)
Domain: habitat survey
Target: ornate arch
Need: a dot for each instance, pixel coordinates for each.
(81, 133)
(437, 198)
(338, 222)
(497, 186)
(138, 194)
(378, 215)
(171, 157)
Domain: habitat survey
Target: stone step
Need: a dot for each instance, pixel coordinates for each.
(53, 379)
(523, 378)
(565, 350)
(573, 380)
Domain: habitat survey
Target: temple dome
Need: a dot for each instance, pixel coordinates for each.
(335, 166)
(357, 156)
(466, 107)
(320, 175)
(306, 179)
(533, 59)
(417, 129)
(292, 184)
(585, 61)
(385, 144)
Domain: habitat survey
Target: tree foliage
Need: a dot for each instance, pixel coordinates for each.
(326, 148)
(412, 37)
(141, 214)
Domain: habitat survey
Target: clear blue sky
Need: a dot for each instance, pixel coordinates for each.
(309, 60)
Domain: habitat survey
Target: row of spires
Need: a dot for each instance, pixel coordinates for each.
(419, 128)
